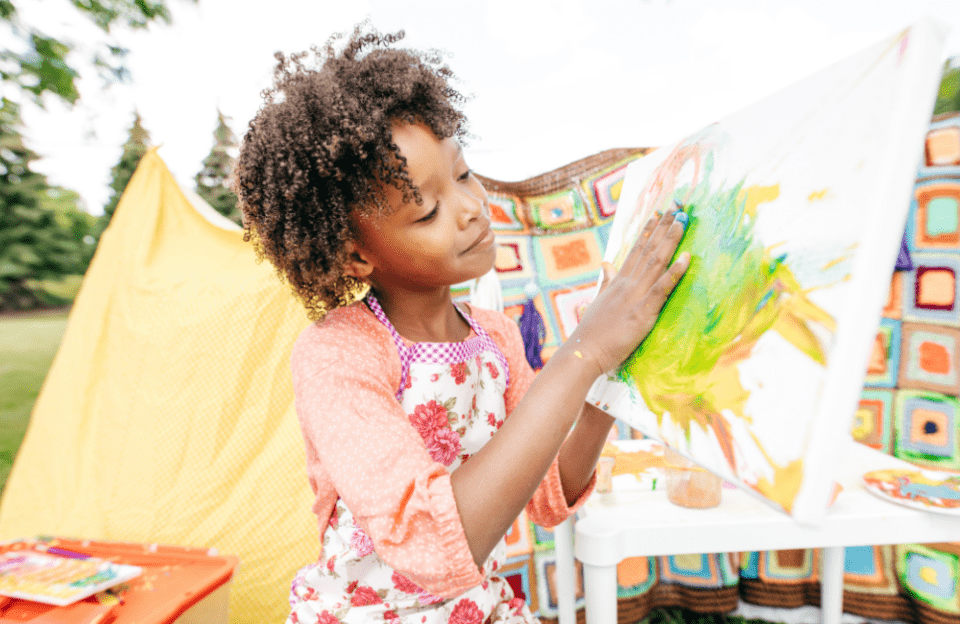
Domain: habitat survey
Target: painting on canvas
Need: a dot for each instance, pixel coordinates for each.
(796, 208)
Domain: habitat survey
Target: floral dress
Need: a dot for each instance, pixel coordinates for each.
(453, 395)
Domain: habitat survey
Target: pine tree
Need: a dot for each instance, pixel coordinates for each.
(120, 174)
(948, 97)
(42, 254)
(212, 179)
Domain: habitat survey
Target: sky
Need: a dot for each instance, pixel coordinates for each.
(552, 81)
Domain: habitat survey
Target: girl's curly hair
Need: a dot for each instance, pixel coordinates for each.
(320, 150)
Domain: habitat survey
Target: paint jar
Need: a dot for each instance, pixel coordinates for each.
(689, 485)
(605, 467)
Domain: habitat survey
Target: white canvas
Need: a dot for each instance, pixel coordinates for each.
(797, 205)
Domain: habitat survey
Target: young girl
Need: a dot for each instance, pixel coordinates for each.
(426, 431)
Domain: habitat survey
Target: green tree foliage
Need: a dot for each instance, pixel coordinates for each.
(948, 97)
(133, 150)
(212, 179)
(44, 236)
(44, 64)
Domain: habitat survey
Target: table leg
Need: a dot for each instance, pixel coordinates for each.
(566, 572)
(600, 591)
(831, 584)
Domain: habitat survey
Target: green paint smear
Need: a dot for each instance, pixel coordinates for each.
(733, 292)
(728, 296)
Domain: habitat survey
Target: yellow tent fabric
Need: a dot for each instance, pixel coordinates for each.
(167, 416)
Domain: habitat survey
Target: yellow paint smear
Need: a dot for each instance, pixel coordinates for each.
(799, 303)
(631, 463)
(915, 477)
(785, 485)
(833, 263)
(752, 196)
(799, 335)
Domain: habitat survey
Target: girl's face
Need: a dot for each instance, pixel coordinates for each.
(444, 241)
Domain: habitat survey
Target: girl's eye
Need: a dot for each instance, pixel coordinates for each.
(430, 215)
(465, 175)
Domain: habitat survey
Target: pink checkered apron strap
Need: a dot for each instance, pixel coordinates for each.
(487, 344)
(439, 352)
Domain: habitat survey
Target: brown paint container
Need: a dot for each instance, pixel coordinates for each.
(689, 485)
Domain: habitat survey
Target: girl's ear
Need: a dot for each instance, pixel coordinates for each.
(356, 265)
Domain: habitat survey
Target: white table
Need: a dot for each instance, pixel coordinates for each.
(615, 526)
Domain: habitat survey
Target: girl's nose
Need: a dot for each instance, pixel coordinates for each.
(473, 206)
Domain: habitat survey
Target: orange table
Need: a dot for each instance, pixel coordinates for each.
(177, 584)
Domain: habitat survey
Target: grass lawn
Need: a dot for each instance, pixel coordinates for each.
(674, 615)
(28, 343)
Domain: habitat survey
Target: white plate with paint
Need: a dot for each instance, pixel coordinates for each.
(919, 488)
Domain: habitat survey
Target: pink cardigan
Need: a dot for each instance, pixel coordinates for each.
(361, 447)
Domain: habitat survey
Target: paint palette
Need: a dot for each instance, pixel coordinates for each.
(927, 490)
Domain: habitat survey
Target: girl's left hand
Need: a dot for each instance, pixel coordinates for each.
(629, 301)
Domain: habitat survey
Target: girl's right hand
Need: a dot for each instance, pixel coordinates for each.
(631, 300)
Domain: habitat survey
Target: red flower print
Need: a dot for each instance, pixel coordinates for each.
(428, 417)
(492, 419)
(326, 617)
(361, 542)
(404, 584)
(516, 604)
(365, 596)
(466, 612)
(444, 445)
(434, 377)
(334, 519)
(459, 372)
(391, 616)
(352, 586)
(494, 371)
(330, 563)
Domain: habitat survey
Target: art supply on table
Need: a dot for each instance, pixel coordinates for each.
(177, 585)
(689, 485)
(605, 467)
(928, 490)
(58, 580)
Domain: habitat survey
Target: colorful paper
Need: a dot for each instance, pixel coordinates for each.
(57, 580)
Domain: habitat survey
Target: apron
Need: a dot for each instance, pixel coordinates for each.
(453, 395)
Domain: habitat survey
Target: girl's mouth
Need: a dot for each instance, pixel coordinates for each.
(484, 240)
